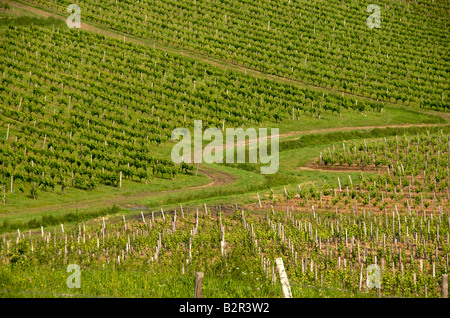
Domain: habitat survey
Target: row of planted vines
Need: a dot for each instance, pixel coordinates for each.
(327, 237)
(99, 108)
(156, 256)
(402, 173)
(324, 43)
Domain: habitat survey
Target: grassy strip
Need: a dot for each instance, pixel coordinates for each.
(24, 282)
(51, 220)
(11, 20)
(318, 139)
(269, 181)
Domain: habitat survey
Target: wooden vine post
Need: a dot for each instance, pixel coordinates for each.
(198, 293)
(444, 292)
(283, 278)
(259, 200)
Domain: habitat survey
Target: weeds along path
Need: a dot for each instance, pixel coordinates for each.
(218, 178)
(331, 130)
(93, 27)
(338, 129)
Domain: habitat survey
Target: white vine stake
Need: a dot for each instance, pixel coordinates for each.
(283, 278)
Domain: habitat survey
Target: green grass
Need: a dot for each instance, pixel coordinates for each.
(343, 136)
(399, 115)
(244, 182)
(298, 151)
(15, 16)
(52, 220)
(110, 282)
(75, 199)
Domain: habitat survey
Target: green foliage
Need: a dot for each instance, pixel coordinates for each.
(71, 134)
(5, 6)
(314, 139)
(51, 220)
(327, 44)
(123, 265)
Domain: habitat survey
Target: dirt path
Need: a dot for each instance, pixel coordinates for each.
(218, 178)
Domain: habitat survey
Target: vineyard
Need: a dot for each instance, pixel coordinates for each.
(96, 110)
(326, 236)
(397, 174)
(326, 250)
(88, 180)
(403, 62)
